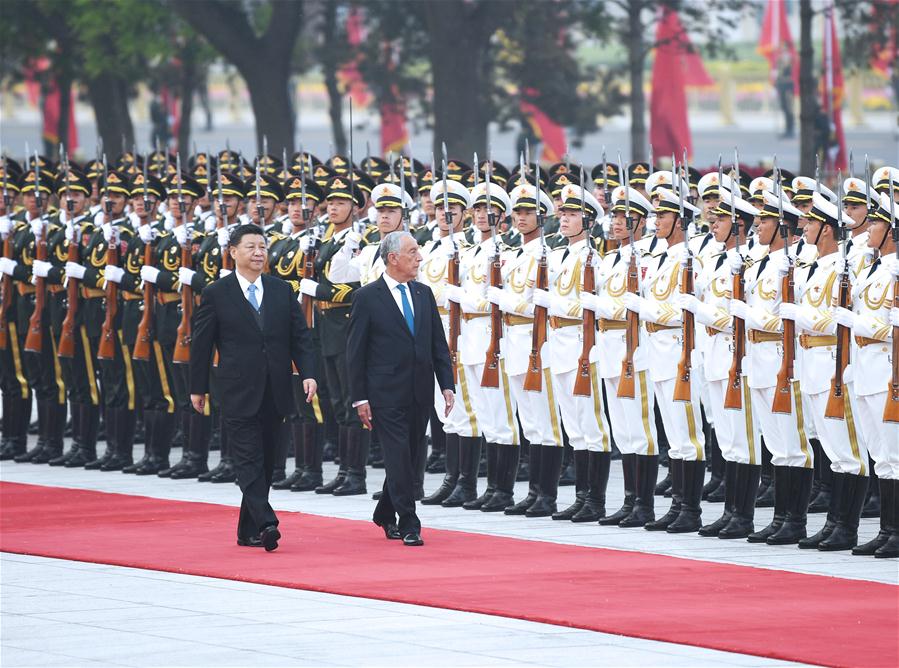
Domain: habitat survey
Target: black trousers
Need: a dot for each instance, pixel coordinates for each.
(253, 446)
(402, 435)
(337, 375)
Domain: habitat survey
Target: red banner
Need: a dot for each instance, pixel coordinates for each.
(669, 130)
(776, 40)
(832, 92)
(349, 74)
(549, 133)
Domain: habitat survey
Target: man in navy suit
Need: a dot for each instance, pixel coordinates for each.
(255, 323)
(395, 348)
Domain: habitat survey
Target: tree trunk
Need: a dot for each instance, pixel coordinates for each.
(270, 99)
(109, 98)
(188, 86)
(64, 83)
(808, 103)
(330, 64)
(636, 58)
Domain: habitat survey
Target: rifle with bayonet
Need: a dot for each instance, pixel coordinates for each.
(835, 408)
(452, 278)
(682, 390)
(182, 341)
(783, 390)
(144, 332)
(6, 281)
(490, 376)
(583, 381)
(309, 256)
(66, 347)
(106, 348)
(733, 395)
(34, 339)
(891, 406)
(533, 380)
(632, 332)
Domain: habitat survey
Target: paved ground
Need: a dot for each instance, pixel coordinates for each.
(57, 612)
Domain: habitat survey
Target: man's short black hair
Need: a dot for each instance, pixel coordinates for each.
(243, 230)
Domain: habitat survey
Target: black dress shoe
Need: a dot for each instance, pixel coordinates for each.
(254, 541)
(377, 495)
(190, 470)
(269, 538)
(413, 539)
(391, 531)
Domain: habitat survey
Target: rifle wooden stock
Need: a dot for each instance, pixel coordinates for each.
(733, 396)
(66, 347)
(682, 390)
(106, 349)
(582, 385)
(309, 272)
(783, 391)
(891, 408)
(455, 315)
(490, 377)
(142, 341)
(836, 401)
(626, 388)
(6, 298)
(533, 379)
(182, 341)
(34, 339)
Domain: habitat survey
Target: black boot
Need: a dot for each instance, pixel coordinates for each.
(845, 534)
(594, 507)
(567, 477)
(747, 484)
(781, 484)
(835, 483)
(109, 418)
(313, 444)
(524, 462)
(507, 456)
(663, 487)
(125, 424)
(581, 471)
(764, 498)
(87, 450)
(28, 455)
(482, 463)
(887, 521)
(520, 508)
(676, 468)
(197, 448)
(890, 549)
(794, 526)
(823, 485)
(160, 445)
(450, 477)
(872, 501)
(629, 471)
(647, 467)
(549, 469)
(357, 454)
(16, 414)
(730, 500)
(299, 465)
(492, 463)
(337, 481)
(182, 435)
(469, 461)
(56, 427)
(149, 425)
(711, 491)
(436, 462)
(689, 519)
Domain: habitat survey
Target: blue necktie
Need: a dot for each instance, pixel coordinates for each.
(407, 309)
(251, 297)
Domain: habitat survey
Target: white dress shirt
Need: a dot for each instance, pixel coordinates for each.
(245, 284)
(397, 295)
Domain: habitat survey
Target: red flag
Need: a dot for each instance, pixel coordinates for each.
(669, 131)
(394, 134)
(775, 39)
(548, 132)
(349, 74)
(832, 92)
(884, 59)
(52, 103)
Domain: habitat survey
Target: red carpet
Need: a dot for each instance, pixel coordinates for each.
(790, 616)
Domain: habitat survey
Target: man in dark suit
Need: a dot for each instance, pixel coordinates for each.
(254, 322)
(395, 348)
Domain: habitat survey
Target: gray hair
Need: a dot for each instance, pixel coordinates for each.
(391, 243)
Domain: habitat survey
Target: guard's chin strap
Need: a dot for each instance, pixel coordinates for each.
(677, 221)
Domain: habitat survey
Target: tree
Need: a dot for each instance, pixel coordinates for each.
(808, 101)
(262, 55)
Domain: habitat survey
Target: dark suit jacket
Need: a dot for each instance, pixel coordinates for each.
(247, 354)
(386, 364)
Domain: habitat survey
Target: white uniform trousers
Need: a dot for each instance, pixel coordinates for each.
(462, 420)
(537, 411)
(494, 407)
(682, 420)
(841, 439)
(632, 420)
(883, 437)
(583, 417)
(737, 429)
(784, 433)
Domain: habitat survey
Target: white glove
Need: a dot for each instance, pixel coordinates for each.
(589, 301)
(783, 265)
(687, 302)
(454, 293)
(40, 268)
(5, 226)
(149, 274)
(37, 228)
(146, 233)
(75, 270)
(185, 275)
(509, 304)
(353, 240)
(308, 287)
(844, 317)
(180, 233)
(113, 273)
(224, 237)
(447, 245)
(797, 314)
(632, 302)
(894, 316)
(224, 272)
(489, 247)
(542, 298)
(70, 233)
(495, 295)
(739, 309)
(891, 264)
(684, 255)
(735, 261)
(594, 257)
(307, 243)
(7, 266)
(625, 253)
(209, 222)
(107, 231)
